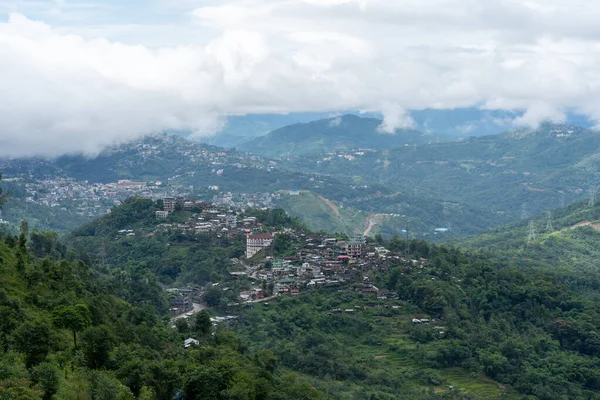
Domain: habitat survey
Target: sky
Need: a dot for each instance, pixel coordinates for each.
(76, 76)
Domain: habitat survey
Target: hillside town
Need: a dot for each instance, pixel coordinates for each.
(315, 260)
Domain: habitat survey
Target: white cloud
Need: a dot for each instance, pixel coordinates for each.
(394, 117)
(335, 122)
(538, 113)
(89, 76)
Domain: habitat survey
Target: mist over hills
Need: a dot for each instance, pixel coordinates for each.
(453, 124)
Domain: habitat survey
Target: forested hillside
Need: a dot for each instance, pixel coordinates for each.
(518, 172)
(65, 334)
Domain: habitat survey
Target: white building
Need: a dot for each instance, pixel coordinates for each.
(256, 242)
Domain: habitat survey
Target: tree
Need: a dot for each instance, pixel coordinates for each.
(97, 342)
(75, 318)
(33, 338)
(212, 296)
(43, 244)
(45, 376)
(282, 244)
(203, 324)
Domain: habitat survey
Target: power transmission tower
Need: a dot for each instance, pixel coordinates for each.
(562, 200)
(549, 227)
(531, 236)
(524, 211)
(445, 207)
(593, 192)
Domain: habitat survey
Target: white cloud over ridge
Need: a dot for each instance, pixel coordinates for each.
(76, 88)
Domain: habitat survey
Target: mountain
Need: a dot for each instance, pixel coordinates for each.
(515, 173)
(326, 135)
(239, 129)
(444, 124)
(62, 193)
(463, 187)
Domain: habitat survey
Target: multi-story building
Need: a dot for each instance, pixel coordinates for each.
(169, 204)
(256, 242)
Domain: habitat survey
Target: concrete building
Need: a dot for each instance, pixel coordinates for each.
(162, 214)
(256, 242)
(169, 204)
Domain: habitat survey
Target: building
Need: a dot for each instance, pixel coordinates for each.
(169, 204)
(256, 242)
(355, 246)
(162, 214)
(231, 221)
(189, 342)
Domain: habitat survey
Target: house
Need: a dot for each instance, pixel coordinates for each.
(181, 303)
(189, 342)
(162, 214)
(383, 294)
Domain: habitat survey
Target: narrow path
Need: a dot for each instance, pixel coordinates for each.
(370, 225)
(331, 205)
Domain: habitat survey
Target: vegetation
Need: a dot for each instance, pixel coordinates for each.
(167, 254)
(505, 316)
(496, 331)
(65, 334)
(495, 176)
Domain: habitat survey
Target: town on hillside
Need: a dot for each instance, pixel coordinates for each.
(316, 260)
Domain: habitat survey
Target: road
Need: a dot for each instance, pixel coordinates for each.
(196, 308)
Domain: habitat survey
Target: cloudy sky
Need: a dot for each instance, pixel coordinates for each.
(78, 75)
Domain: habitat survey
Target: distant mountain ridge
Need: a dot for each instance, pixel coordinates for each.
(518, 172)
(326, 135)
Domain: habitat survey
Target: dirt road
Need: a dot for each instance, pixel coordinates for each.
(370, 225)
(196, 308)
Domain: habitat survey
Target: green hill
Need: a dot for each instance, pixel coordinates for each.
(326, 135)
(66, 333)
(521, 170)
(321, 214)
(363, 215)
(568, 243)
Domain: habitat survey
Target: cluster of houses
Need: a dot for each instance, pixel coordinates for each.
(321, 261)
(209, 218)
(182, 299)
